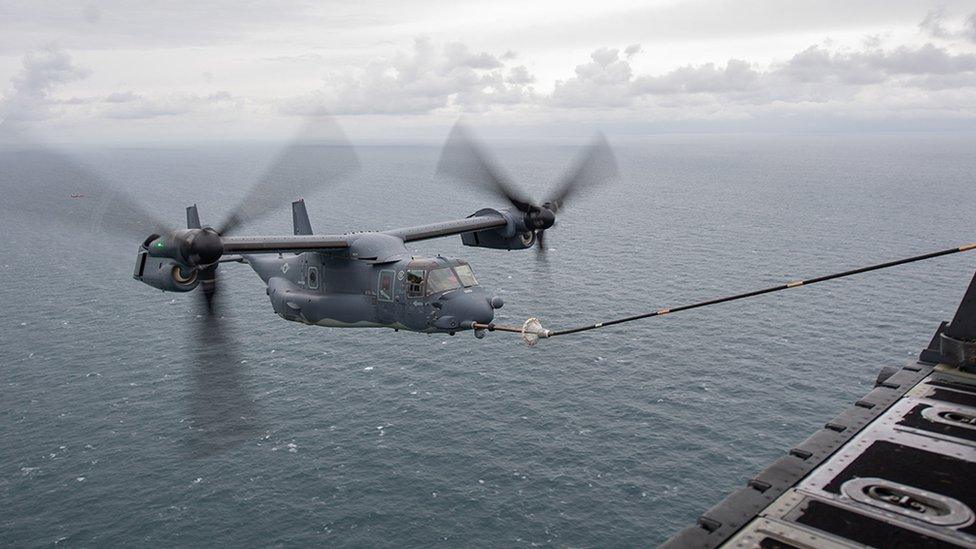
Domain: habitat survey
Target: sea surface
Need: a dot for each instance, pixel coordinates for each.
(370, 438)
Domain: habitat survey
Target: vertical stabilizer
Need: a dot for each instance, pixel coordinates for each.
(954, 343)
(299, 217)
(192, 218)
(963, 325)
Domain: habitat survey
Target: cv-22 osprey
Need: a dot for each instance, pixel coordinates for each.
(370, 279)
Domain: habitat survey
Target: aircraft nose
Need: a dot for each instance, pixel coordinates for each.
(462, 310)
(474, 307)
(483, 312)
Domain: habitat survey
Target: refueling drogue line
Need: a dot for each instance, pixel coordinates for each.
(534, 331)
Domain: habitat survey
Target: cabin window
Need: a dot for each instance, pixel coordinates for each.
(441, 280)
(384, 290)
(415, 283)
(466, 275)
(313, 278)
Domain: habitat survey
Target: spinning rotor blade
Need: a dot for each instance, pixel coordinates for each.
(221, 408)
(318, 156)
(463, 159)
(595, 165)
(208, 288)
(48, 184)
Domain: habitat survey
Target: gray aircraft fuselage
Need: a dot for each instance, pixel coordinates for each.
(386, 287)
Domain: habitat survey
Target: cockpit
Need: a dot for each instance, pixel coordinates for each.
(435, 280)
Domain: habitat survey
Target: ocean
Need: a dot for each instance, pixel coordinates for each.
(374, 438)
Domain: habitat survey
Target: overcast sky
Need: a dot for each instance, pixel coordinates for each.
(148, 70)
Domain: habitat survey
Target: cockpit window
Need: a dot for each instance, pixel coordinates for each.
(415, 283)
(466, 275)
(441, 280)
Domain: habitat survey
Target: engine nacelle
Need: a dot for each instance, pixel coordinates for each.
(513, 236)
(193, 247)
(164, 273)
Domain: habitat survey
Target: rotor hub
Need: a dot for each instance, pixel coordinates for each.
(204, 247)
(540, 219)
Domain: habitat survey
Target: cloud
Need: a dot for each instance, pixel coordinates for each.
(816, 74)
(935, 25)
(737, 75)
(605, 81)
(42, 72)
(423, 80)
(519, 75)
(817, 65)
(31, 95)
(130, 105)
(458, 55)
(91, 14)
(144, 24)
(122, 97)
(933, 74)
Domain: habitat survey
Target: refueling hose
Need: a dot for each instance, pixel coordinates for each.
(532, 331)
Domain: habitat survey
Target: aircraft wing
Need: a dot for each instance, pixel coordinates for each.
(276, 244)
(450, 228)
(305, 243)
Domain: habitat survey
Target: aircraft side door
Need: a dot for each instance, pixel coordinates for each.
(414, 306)
(386, 296)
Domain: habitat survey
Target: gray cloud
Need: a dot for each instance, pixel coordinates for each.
(934, 24)
(737, 75)
(683, 21)
(42, 71)
(450, 78)
(520, 75)
(130, 105)
(420, 81)
(605, 81)
(140, 24)
(814, 74)
(458, 55)
(111, 24)
(122, 97)
(91, 13)
(441, 78)
(31, 95)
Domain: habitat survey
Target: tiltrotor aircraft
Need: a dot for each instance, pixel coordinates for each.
(370, 279)
(357, 279)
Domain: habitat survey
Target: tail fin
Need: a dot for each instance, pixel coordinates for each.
(299, 217)
(192, 218)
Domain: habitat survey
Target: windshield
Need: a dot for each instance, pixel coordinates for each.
(466, 276)
(441, 280)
